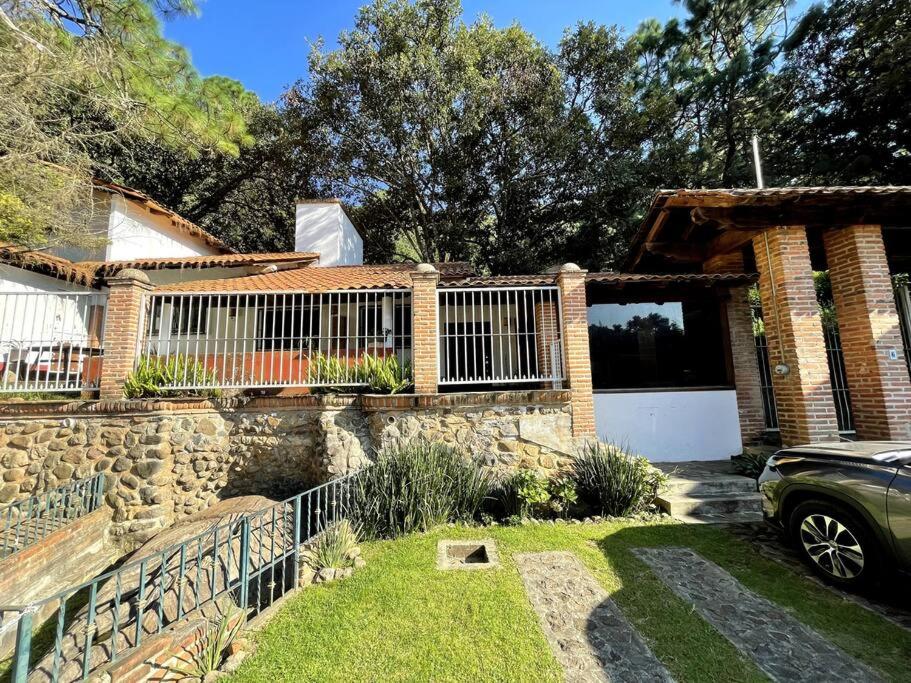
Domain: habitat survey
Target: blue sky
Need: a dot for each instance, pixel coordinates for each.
(264, 44)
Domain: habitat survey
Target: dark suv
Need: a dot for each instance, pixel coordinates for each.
(846, 506)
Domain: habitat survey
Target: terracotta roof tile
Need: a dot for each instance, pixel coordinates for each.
(107, 268)
(176, 219)
(610, 277)
(47, 264)
(501, 281)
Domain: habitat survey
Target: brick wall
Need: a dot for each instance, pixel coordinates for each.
(122, 335)
(869, 327)
(546, 328)
(424, 363)
(806, 409)
(744, 361)
(576, 354)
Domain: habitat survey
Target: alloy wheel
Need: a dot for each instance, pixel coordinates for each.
(832, 546)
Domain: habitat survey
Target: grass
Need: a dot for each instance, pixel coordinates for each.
(401, 619)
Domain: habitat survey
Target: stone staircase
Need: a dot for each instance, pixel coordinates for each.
(709, 492)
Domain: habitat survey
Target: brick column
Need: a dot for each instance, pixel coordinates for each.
(744, 361)
(425, 335)
(121, 329)
(806, 409)
(546, 331)
(576, 354)
(868, 323)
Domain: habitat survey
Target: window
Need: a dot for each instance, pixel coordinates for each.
(652, 345)
(189, 316)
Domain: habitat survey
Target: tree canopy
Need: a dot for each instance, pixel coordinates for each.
(450, 139)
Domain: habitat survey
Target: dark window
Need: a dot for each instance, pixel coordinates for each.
(189, 316)
(652, 345)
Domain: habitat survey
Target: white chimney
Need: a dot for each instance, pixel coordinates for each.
(321, 225)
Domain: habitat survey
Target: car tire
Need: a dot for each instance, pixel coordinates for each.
(835, 543)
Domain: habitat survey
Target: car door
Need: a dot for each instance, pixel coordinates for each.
(898, 504)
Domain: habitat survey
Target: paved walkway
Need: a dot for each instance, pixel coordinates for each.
(781, 646)
(588, 634)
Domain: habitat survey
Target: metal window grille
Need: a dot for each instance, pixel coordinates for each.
(500, 335)
(28, 521)
(839, 379)
(254, 560)
(260, 340)
(51, 341)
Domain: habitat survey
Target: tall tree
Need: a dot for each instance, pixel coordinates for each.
(848, 72)
(76, 71)
(710, 81)
(457, 140)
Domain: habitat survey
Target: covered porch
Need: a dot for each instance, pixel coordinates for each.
(831, 364)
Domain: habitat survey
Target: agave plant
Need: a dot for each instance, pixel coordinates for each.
(153, 376)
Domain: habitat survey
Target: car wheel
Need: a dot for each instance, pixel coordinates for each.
(835, 543)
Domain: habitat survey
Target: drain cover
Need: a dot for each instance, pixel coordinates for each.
(467, 554)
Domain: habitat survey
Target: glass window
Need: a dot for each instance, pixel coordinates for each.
(652, 345)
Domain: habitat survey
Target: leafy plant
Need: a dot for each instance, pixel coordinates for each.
(153, 374)
(750, 463)
(563, 494)
(370, 373)
(416, 486)
(530, 490)
(616, 483)
(215, 641)
(334, 548)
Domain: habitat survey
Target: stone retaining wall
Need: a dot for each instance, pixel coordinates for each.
(165, 460)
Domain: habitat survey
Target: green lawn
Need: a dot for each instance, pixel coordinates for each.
(402, 619)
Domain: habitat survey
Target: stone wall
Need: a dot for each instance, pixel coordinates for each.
(166, 460)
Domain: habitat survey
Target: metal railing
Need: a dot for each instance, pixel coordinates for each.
(28, 521)
(769, 409)
(500, 335)
(839, 378)
(252, 560)
(51, 341)
(903, 301)
(261, 340)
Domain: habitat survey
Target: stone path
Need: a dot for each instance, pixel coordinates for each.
(588, 634)
(781, 646)
(883, 600)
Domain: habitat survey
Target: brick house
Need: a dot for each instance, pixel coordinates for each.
(662, 357)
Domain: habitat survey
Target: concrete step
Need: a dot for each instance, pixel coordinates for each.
(681, 486)
(722, 518)
(710, 504)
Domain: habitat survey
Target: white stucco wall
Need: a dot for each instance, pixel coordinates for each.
(325, 228)
(135, 233)
(670, 426)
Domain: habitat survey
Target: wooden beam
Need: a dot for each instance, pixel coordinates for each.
(677, 251)
(728, 241)
(660, 220)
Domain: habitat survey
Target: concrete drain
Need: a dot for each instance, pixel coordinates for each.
(467, 554)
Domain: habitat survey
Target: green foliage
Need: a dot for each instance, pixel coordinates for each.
(416, 486)
(334, 548)
(614, 482)
(563, 494)
(153, 374)
(376, 375)
(750, 463)
(530, 490)
(78, 73)
(215, 643)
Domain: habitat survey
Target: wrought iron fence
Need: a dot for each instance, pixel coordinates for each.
(500, 335)
(51, 341)
(261, 340)
(839, 378)
(250, 560)
(28, 521)
(770, 410)
(903, 299)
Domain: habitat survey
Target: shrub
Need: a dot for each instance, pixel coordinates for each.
(214, 643)
(334, 548)
(416, 486)
(750, 463)
(379, 375)
(614, 482)
(525, 493)
(153, 374)
(563, 494)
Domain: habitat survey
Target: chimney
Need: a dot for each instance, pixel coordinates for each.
(321, 225)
